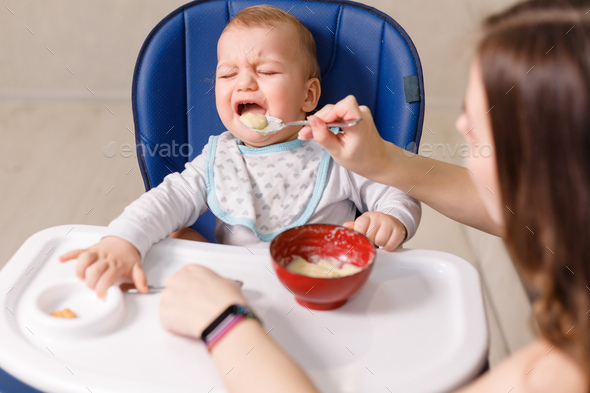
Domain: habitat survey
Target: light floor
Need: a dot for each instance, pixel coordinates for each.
(55, 165)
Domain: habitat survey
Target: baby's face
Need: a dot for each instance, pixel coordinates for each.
(262, 70)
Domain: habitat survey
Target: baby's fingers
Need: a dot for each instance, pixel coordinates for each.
(394, 241)
(361, 225)
(383, 235)
(73, 254)
(107, 278)
(94, 273)
(139, 278)
(85, 259)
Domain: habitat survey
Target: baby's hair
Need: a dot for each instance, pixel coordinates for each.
(268, 17)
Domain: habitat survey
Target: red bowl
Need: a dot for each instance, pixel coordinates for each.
(324, 241)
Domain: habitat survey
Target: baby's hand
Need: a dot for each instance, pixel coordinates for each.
(105, 262)
(382, 229)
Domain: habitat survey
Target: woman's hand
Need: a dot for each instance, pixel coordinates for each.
(194, 297)
(360, 148)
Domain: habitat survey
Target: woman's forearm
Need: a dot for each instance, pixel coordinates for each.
(248, 360)
(445, 187)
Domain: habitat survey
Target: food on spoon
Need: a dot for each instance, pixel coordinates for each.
(321, 268)
(256, 121)
(65, 313)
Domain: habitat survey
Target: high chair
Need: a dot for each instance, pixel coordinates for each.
(361, 51)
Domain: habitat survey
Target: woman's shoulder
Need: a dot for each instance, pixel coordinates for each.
(537, 368)
(554, 370)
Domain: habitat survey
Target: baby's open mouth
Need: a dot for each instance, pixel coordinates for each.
(250, 107)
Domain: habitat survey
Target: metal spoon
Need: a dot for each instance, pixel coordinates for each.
(275, 125)
(129, 287)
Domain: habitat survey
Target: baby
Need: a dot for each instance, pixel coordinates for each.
(256, 185)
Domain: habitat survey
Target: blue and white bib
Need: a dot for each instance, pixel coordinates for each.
(268, 189)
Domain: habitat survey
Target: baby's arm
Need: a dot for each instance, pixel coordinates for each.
(174, 204)
(390, 215)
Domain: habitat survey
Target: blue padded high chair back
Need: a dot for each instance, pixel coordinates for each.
(361, 51)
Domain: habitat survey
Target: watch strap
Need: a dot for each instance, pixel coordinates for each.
(230, 317)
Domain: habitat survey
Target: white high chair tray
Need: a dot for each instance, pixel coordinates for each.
(418, 324)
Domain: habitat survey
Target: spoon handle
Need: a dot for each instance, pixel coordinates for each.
(297, 123)
(341, 124)
(130, 287)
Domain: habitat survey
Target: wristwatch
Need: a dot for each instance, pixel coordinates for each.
(224, 322)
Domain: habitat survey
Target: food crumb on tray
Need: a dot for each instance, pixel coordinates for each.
(65, 313)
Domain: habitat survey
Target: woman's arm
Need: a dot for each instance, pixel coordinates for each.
(445, 187)
(538, 368)
(247, 359)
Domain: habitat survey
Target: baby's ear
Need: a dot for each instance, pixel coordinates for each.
(313, 91)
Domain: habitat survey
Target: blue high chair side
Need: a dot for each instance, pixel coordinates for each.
(361, 51)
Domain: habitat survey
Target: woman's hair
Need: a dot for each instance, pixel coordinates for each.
(535, 65)
(267, 16)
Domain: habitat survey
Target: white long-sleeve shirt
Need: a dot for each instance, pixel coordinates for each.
(182, 197)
